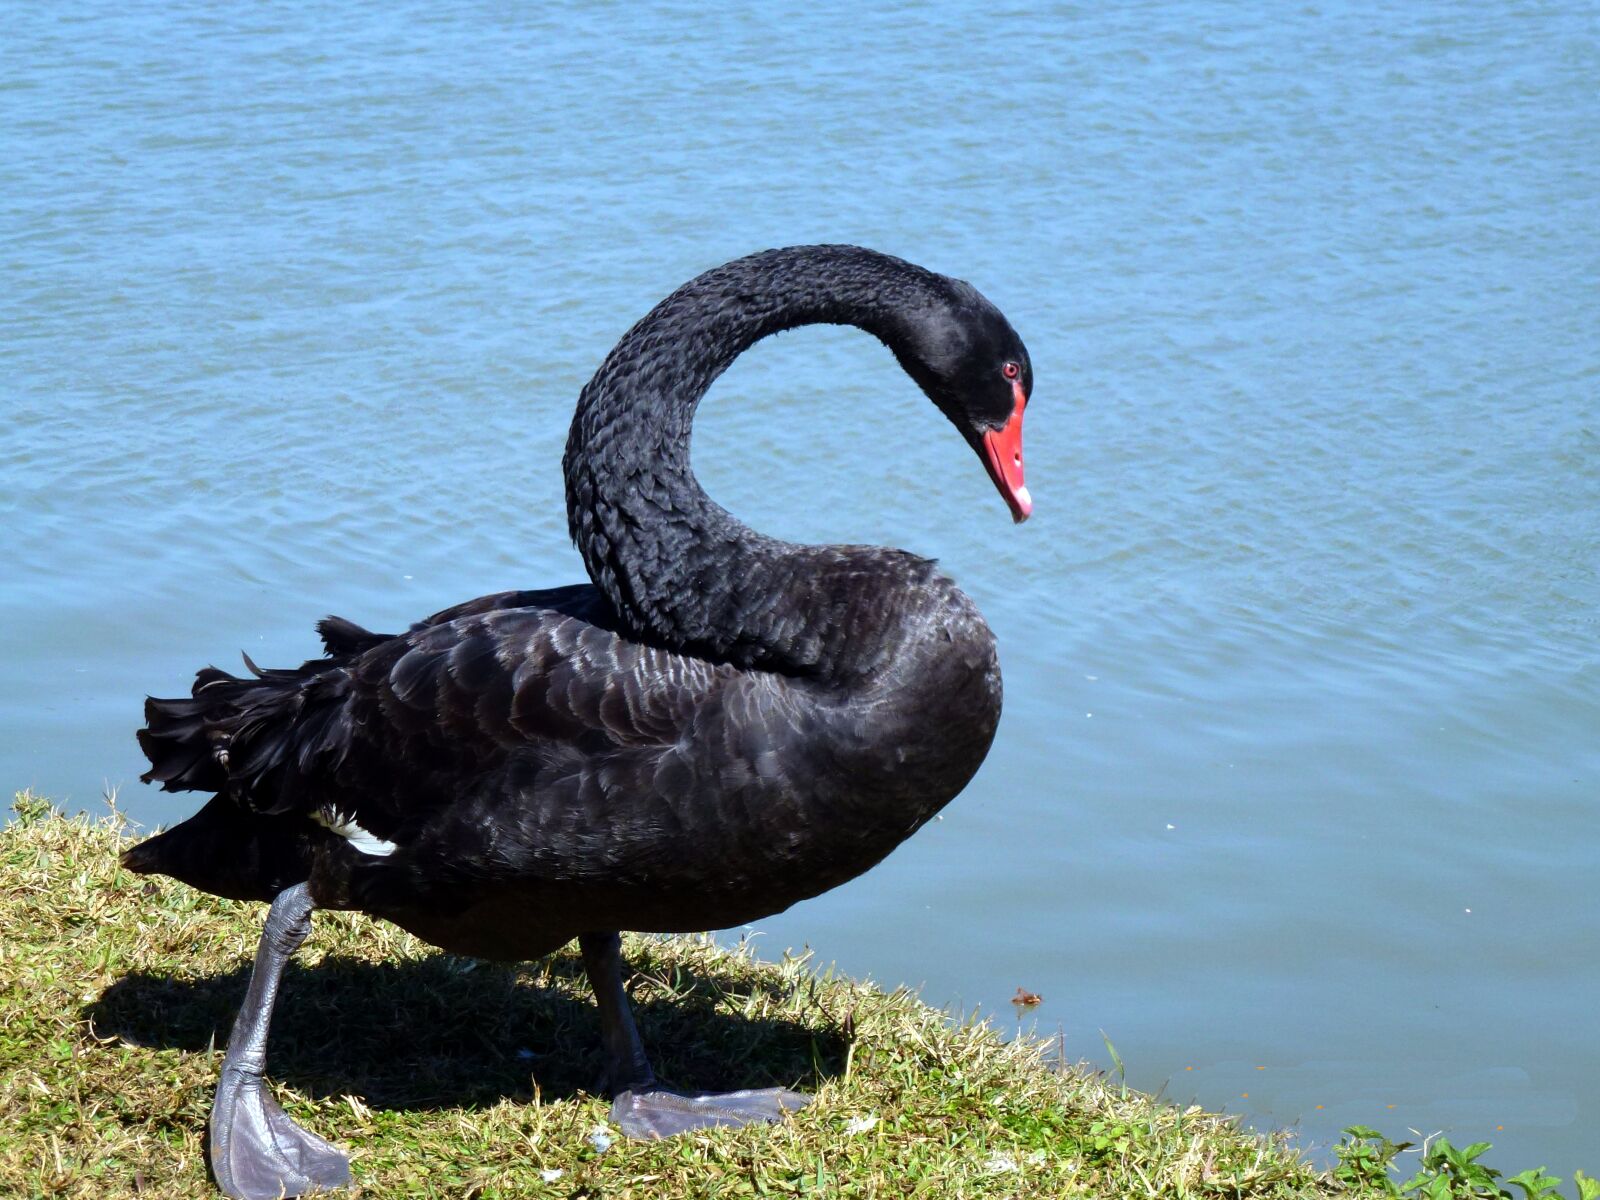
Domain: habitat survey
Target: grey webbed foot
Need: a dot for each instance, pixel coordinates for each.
(258, 1153)
(657, 1112)
(640, 1105)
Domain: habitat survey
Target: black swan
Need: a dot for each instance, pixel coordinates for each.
(720, 725)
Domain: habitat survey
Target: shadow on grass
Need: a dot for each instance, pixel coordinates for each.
(442, 1032)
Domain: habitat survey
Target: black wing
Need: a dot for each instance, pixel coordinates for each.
(389, 729)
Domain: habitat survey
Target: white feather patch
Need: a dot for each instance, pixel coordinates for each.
(346, 827)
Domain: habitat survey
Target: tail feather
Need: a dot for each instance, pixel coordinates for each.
(183, 757)
(252, 741)
(254, 737)
(229, 852)
(343, 637)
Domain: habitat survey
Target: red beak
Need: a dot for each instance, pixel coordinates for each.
(1002, 454)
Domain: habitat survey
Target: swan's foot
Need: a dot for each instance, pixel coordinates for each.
(641, 1106)
(258, 1153)
(659, 1113)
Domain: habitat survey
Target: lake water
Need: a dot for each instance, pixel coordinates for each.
(1297, 793)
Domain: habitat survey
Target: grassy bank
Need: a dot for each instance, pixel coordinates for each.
(449, 1077)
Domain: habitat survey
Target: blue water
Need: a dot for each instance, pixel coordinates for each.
(1297, 795)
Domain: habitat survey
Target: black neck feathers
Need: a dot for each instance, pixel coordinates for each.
(679, 569)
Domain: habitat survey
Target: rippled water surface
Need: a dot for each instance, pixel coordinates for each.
(1296, 792)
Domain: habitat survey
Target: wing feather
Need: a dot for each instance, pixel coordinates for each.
(540, 686)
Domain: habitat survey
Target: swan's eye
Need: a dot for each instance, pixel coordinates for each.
(1011, 370)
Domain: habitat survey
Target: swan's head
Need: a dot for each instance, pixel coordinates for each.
(972, 364)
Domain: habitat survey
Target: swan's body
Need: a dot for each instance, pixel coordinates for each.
(539, 775)
(719, 726)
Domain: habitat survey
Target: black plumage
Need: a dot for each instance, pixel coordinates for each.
(719, 725)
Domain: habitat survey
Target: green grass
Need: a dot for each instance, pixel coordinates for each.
(450, 1077)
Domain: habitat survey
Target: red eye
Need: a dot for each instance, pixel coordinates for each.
(1011, 370)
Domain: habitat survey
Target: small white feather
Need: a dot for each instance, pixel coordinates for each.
(346, 827)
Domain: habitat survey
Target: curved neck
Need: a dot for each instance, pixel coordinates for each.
(679, 569)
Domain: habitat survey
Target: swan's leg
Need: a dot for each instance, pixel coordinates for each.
(640, 1105)
(627, 1068)
(257, 1153)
